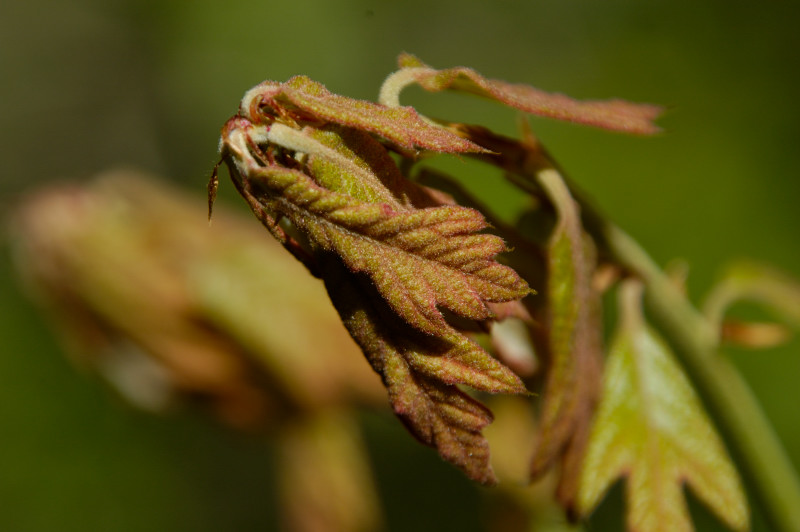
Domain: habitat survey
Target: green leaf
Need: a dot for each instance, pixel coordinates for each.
(353, 162)
(651, 428)
(419, 259)
(301, 100)
(421, 373)
(612, 114)
(573, 342)
(395, 257)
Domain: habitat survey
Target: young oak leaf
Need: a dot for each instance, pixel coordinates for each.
(419, 259)
(615, 115)
(302, 100)
(573, 343)
(421, 373)
(650, 427)
(393, 256)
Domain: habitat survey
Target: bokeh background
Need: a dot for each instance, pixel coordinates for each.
(86, 85)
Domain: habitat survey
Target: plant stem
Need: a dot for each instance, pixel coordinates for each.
(756, 448)
(758, 451)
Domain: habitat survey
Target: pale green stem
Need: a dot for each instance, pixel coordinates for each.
(394, 84)
(756, 448)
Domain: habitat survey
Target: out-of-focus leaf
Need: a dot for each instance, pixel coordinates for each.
(324, 479)
(264, 300)
(759, 283)
(651, 428)
(167, 307)
(512, 344)
(617, 115)
(420, 259)
(515, 505)
(754, 335)
(302, 100)
(421, 373)
(573, 341)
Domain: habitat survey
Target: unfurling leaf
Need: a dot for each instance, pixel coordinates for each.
(651, 428)
(302, 100)
(421, 373)
(573, 343)
(404, 266)
(617, 115)
(418, 260)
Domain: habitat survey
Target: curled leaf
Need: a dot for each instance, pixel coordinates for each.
(421, 374)
(302, 100)
(419, 259)
(616, 115)
(405, 267)
(573, 342)
(651, 428)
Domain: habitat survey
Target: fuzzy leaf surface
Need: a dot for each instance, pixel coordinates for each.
(360, 166)
(615, 115)
(573, 343)
(421, 373)
(418, 259)
(651, 428)
(303, 100)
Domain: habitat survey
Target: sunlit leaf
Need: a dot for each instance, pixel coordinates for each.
(406, 268)
(611, 114)
(419, 259)
(302, 100)
(651, 428)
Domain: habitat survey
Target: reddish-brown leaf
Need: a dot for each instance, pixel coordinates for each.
(421, 373)
(616, 115)
(572, 343)
(419, 259)
(393, 255)
(301, 99)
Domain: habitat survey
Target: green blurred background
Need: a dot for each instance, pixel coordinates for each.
(91, 84)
